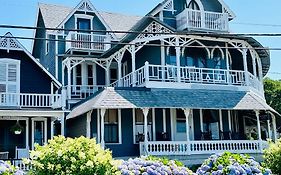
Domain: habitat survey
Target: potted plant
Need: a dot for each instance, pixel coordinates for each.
(17, 128)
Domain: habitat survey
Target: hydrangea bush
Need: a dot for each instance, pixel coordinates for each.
(272, 157)
(8, 169)
(232, 164)
(152, 166)
(70, 156)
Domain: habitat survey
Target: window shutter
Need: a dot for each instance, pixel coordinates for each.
(12, 72)
(3, 72)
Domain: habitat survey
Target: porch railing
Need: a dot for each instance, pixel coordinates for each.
(82, 91)
(169, 73)
(30, 100)
(18, 163)
(195, 19)
(87, 41)
(201, 147)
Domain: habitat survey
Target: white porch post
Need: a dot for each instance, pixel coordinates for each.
(52, 128)
(201, 120)
(27, 133)
(62, 123)
(245, 64)
(254, 64)
(102, 114)
(133, 54)
(119, 72)
(269, 129)
(107, 76)
(88, 123)
(164, 121)
(274, 127)
(45, 131)
(227, 64)
(229, 120)
(153, 125)
(69, 81)
(178, 53)
(220, 118)
(145, 114)
(187, 113)
(259, 124)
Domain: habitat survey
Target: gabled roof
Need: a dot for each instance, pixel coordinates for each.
(55, 15)
(124, 98)
(9, 43)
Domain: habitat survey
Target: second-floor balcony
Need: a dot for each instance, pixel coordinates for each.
(150, 75)
(87, 42)
(202, 20)
(24, 100)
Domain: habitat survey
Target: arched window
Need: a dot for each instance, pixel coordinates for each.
(196, 57)
(193, 5)
(218, 59)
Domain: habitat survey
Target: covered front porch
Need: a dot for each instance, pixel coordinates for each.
(177, 122)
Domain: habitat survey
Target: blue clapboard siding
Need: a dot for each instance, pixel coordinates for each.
(127, 148)
(32, 77)
(76, 127)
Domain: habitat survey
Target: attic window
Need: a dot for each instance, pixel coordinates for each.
(193, 5)
(47, 44)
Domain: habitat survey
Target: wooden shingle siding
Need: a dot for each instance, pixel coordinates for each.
(76, 127)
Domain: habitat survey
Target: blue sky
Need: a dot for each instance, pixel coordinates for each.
(23, 12)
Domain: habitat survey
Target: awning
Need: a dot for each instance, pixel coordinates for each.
(127, 98)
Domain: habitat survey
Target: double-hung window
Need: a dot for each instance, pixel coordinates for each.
(112, 126)
(9, 81)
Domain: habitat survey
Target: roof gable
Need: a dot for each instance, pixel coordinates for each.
(8, 42)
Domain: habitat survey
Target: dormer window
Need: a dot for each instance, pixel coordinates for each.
(84, 22)
(193, 5)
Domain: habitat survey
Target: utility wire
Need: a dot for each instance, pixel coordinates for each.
(138, 44)
(141, 32)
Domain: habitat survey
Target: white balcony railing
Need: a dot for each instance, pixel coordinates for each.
(82, 91)
(87, 41)
(30, 100)
(201, 147)
(195, 19)
(169, 73)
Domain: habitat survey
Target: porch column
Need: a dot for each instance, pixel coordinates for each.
(229, 120)
(27, 133)
(102, 114)
(164, 121)
(259, 124)
(163, 59)
(107, 76)
(153, 125)
(274, 127)
(269, 129)
(254, 64)
(88, 123)
(227, 64)
(245, 64)
(220, 118)
(69, 80)
(133, 54)
(201, 120)
(52, 128)
(145, 114)
(187, 113)
(178, 54)
(62, 121)
(119, 72)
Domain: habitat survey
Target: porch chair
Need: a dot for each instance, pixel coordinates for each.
(20, 154)
(4, 155)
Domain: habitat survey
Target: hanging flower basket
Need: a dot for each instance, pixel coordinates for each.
(17, 128)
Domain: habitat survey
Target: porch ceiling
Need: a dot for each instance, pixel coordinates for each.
(126, 98)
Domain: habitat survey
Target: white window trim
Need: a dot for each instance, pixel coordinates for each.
(119, 129)
(47, 46)
(33, 129)
(17, 62)
(83, 16)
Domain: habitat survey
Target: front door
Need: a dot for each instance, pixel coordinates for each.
(180, 125)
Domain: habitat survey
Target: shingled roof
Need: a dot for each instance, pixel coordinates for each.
(124, 98)
(53, 15)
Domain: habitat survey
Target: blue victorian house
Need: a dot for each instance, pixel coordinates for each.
(176, 84)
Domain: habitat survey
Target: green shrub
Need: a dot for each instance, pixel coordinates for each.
(272, 157)
(71, 156)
